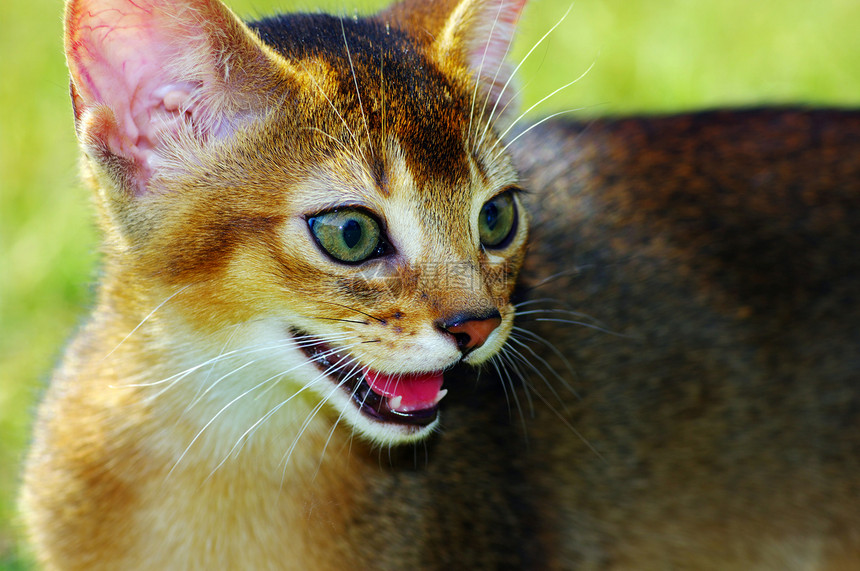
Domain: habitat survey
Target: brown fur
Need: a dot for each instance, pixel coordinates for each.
(702, 415)
(719, 392)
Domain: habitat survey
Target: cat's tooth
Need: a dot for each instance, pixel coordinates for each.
(440, 395)
(395, 402)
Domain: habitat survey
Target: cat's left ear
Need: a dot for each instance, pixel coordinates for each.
(475, 34)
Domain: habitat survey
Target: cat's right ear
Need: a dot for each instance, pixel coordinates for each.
(473, 34)
(149, 75)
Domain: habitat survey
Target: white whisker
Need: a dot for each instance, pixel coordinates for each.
(530, 109)
(532, 126)
(323, 354)
(517, 69)
(209, 388)
(211, 420)
(512, 363)
(339, 417)
(550, 278)
(551, 347)
(337, 141)
(570, 427)
(145, 319)
(584, 324)
(495, 362)
(339, 366)
(339, 116)
(504, 374)
(238, 352)
(480, 70)
(357, 92)
(555, 411)
(229, 404)
(522, 358)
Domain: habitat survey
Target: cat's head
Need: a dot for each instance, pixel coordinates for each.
(334, 187)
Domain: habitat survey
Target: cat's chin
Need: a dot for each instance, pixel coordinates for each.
(401, 407)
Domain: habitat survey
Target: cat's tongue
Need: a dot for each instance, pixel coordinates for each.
(407, 393)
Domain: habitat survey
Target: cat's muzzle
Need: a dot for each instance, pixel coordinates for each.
(405, 399)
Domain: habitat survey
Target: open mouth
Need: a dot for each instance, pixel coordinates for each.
(408, 399)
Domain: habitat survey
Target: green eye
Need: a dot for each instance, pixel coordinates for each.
(497, 221)
(347, 235)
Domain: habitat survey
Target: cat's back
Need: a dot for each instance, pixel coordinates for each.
(705, 288)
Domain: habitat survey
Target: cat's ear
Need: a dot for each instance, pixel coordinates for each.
(150, 73)
(476, 34)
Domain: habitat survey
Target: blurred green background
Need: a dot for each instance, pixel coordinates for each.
(648, 55)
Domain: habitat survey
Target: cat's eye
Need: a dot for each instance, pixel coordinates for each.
(497, 221)
(348, 235)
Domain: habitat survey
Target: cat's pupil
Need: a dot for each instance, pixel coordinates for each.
(351, 232)
(491, 215)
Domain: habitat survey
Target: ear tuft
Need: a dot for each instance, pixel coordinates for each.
(476, 34)
(162, 68)
(484, 31)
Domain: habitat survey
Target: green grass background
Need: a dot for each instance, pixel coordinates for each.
(648, 55)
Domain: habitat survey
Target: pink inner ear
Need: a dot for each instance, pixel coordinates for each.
(488, 43)
(122, 54)
(492, 37)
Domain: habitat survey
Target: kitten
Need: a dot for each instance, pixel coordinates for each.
(307, 221)
(311, 224)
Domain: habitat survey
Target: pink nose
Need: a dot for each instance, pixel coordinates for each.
(470, 331)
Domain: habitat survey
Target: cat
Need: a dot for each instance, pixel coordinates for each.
(348, 319)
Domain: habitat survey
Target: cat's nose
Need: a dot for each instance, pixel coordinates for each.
(469, 330)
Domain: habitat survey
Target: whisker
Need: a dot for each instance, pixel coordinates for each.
(236, 352)
(379, 319)
(511, 101)
(551, 347)
(337, 319)
(313, 413)
(328, 353)
(494, 361)
(502, 63)
(518, 354)
(560, 416)
(340, 143)
(176, 378)
(226, 344)
(339, 417)
(297, 342)
(338, 113)
(538, 300)
(517, 69)
(594, 323)
(532, 126)
(584, 324)
(355, 81)
(504, 374)
(205, 426)
(234, 400)
(481, 69)
(530, 109)
(552, 277)
(526, 386)
(197, 399)
(545, 310)
(570, 427)
(245, 436)
(144, 320)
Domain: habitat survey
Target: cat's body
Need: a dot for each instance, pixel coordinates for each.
(718, 370)
(702, 414)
